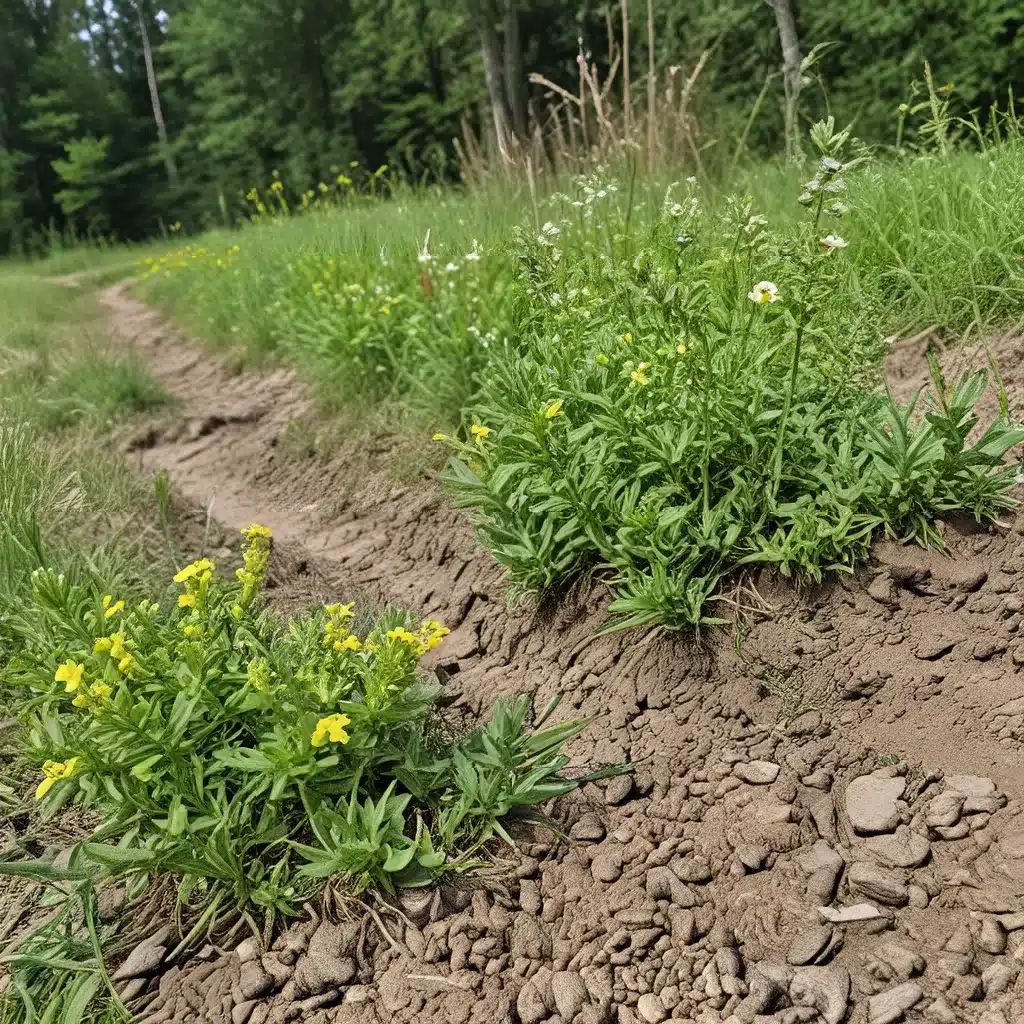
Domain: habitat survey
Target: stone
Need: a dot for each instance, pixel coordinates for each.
(254, 981)
(848, 915)
(588, 829)
(883, 885)
(1012, 844)
(902, 849)
(873, 803)
(940, 1013)
(757, 773)
(943, 811)
(141, 960)
(618, 790)
(996, 979)
(904, 962)
(606, 868)
(358, 994)
(808, 944)
(569, 993)
(891, 1005)
(651, 1009)
(752, 855)
(530, 1004)
(992, 937)
(970, 785)
(827, 989)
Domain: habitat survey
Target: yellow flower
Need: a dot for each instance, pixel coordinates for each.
(341, 612)
(186, 600)
(350, 643)
(627, 337)
(102, 645)
(110, 610)
(118, 646)
(431, 634)
(553, 410)
(762, 292)
(331, 728)
(127, 665)
(639, 377)
(100, 691)
(70, 674)
(190, 630)
(54, 772)
(440, 437)
(385, 310)
(681, 349)
(203, 569)
(479, 432)
(255, 530)
(403, 636)
(601, 359)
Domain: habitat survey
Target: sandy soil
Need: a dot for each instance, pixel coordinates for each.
(825, 823)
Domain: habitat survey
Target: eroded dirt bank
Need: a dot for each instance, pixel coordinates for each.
(825, 826)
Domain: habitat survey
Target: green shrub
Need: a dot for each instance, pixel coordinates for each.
(700, 398)
(253, 758)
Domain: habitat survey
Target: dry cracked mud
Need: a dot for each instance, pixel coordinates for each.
(826, 823)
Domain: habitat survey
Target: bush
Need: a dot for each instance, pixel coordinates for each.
(254, 759)
(699, 399)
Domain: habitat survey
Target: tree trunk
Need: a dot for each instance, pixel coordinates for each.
(515, 76)
(627, 95)
(790, 71)
(154, 95)
(491, 51)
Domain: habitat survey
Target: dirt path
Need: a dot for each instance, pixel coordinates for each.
(694, 891)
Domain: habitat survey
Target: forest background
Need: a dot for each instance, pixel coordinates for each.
(124, 118)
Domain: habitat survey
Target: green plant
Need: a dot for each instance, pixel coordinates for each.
(698, 399)
(251, 758)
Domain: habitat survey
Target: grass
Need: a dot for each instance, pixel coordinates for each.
(695, 435)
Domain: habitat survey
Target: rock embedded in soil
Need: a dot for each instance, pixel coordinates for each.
(883, 885)
(891, 1005)
(618, 790)
(651, 1009)
(851, 914)
(142, 959)
(873, 803)
(902, 849)
(757, 773)
(569, 993)
(808, 944)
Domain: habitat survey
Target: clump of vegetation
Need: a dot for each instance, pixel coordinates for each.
(688, 402)
(254, 759)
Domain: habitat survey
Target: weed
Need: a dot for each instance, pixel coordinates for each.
(252, 758)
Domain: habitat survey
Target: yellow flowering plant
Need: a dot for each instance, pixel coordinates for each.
(253, 756)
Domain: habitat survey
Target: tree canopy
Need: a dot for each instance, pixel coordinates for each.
(310, 89)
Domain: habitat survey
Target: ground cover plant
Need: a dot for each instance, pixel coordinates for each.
(699, 399)
(254, 759)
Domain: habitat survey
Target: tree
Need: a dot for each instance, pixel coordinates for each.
(791, 71)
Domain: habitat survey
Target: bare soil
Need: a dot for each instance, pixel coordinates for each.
(825, 823)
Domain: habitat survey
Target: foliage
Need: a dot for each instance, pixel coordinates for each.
(690, 402)
(252, 758)
(305, 89)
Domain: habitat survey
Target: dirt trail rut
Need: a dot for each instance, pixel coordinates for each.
(825, 826)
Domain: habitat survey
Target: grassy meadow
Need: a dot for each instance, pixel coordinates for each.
(667, 381)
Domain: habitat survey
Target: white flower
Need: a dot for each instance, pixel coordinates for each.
(475, 253)
(833, 242)
(550, 229)
(452, 267)
(424, 256)
(691, 181)
(762, 292)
